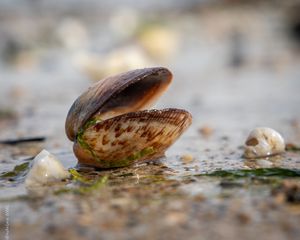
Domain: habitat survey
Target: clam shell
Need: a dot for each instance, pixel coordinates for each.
(110, 127)
(128, 138)
(127, 92)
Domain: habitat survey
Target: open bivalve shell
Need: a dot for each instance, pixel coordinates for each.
(110, 126)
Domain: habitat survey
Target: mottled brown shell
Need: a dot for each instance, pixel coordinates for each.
(110, 127)
(132, 137)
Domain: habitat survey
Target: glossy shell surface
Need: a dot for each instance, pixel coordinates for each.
(110, 127)
(126, 92)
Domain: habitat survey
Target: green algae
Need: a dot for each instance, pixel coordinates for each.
(82, 184)
(82, 142)
(18, 172)
(95, 185)
(259, 172)
(75, 175)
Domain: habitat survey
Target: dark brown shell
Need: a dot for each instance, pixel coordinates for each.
(127, 92)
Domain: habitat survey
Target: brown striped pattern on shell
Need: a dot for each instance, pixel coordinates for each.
(117, 138)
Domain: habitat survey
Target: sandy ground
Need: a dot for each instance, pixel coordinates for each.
(235, 68)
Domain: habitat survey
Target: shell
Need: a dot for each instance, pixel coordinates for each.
(127, 92)
(263, 142)
(46, 169)
(125, 139)
(110, 128)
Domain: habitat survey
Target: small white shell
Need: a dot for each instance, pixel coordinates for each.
(263, 142)
(46, 169)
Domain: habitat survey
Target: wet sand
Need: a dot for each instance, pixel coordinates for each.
(234, 69)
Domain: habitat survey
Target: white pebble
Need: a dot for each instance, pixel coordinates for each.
(263, 142)
(46, 169)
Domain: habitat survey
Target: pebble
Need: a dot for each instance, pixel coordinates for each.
(46, 169)
(206, 131)
(187, 158)
(263, 142)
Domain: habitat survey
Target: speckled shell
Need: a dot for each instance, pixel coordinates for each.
(132, 137)
(110, 128)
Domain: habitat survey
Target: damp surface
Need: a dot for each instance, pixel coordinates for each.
(231, 78)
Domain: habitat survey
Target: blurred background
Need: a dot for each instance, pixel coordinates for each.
(236, 63)
(236, 66)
